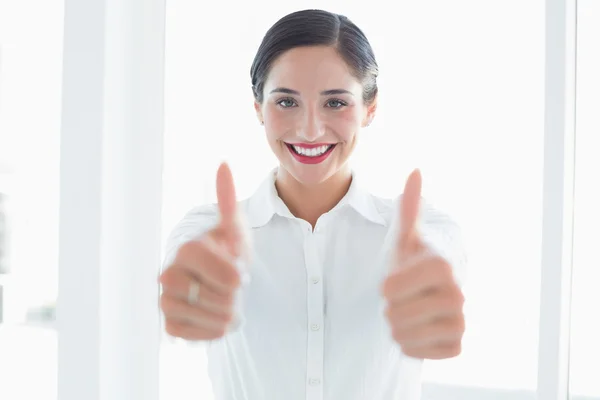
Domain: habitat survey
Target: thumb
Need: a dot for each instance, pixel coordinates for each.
(409, 208)
(231, 228)
(226, 197)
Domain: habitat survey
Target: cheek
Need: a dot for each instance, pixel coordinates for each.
(277, 123)
(345, 123)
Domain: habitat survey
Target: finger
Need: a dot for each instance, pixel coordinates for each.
(176, 283)
(424, 310)
(226, 196)
(229, 227)
(406, 283)
(179, 310)
(409, 209)
(210, 264)
(442, 331)
(437, 352)
(186, 331)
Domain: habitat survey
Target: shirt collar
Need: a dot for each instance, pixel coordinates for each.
(265, 202)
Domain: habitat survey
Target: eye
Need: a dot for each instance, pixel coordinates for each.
(286, 103)
(335, 103)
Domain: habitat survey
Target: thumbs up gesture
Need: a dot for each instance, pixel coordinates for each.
(424, 304)
(200, 285)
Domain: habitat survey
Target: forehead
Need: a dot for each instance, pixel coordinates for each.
(316, 67)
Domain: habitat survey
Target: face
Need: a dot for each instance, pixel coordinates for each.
(312, 111)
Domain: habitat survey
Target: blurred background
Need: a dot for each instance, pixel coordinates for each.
(461, 97)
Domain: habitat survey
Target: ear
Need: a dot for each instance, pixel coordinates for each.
(259, 114)
(370, 115)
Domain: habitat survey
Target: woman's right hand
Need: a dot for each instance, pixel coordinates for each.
(201, 284)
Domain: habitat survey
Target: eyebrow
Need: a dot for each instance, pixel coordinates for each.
(323, 93)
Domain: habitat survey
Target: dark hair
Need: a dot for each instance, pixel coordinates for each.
(317, 28)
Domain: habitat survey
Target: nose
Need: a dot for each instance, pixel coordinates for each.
(312, 126)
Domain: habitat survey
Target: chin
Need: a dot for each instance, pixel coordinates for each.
(310, 175)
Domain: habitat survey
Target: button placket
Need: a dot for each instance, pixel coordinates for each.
(314, 298)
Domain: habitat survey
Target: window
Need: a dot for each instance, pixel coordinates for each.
(585, 329)
(462, 97)
(30, 95)
(466, 108)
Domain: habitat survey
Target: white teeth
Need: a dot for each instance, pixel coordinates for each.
(314, 152)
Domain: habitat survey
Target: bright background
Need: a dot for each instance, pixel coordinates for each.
(461, 97)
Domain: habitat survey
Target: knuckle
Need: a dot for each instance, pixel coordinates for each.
(455, 299)
(409, 351)
(457, 349)
(388, 312)
(165, 276)
(187, 250)
(387, 288)
(438, 267)
(454, 329)
(191, 251)
(443, 268)
(232, 278)
(460, 300)
(454, 350)
(227, 318)
(398, 335)
(222, 331)
(461, 326)
(170, 277)
(166, 304)
(461, 296)
(172, 329)
(394, 316)
(228, 302)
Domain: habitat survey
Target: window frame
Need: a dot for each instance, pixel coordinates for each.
(108, 319)
(112, 116)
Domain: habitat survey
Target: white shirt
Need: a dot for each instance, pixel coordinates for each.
(314, 327)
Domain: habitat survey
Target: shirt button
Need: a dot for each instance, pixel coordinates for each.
(314, 382)
(315, 327)
(315, 279)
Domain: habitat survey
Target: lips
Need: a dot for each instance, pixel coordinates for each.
(310, 153)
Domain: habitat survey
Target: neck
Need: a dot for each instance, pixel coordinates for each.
(309, 202)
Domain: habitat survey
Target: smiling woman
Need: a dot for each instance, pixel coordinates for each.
(314, 86)
(314, 107)
(435, 104)
(313, 99)
(445, 103)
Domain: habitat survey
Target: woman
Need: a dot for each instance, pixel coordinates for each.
(348, 292)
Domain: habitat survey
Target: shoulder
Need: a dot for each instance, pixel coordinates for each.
(201, 219)
(431, 216)
(197, 219)
(437, 227)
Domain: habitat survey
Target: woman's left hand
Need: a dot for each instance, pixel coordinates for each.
(424, 304)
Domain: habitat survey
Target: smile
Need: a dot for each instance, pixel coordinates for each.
(310, 154)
